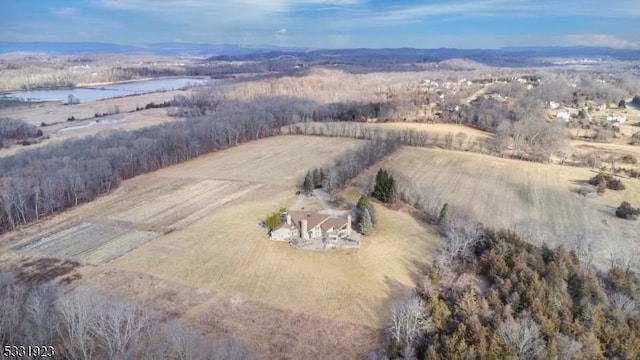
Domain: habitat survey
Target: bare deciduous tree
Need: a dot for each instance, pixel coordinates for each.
(522, 337)
(76, 323)
(626, 305)
(569, 348)
(584, 248)
(120, 327)
(408, 322)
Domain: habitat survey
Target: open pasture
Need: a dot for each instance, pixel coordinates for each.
(196, 224)
(90, 242)
(277, 161)
(227, 252)
(532, 198)
(439, 130)
(131, 218)
(473, 139)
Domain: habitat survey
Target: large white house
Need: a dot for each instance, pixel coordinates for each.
(307, 225)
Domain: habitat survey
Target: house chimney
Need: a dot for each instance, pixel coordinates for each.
(348, 224)
(303, 229)
(288, 219)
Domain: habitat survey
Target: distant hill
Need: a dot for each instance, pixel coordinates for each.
(167, 49)
(537, 56)
(511, 56)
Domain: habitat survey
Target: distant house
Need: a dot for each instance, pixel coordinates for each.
(307, 225)
(563, 114)
(617, 119)
(553, 105)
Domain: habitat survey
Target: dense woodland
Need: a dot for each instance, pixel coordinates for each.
(492, 295)
(86, 324)
(506, 298)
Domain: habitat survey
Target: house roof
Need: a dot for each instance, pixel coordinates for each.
(333, 223)
(314, 219)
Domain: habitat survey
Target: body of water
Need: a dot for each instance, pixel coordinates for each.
(90, 124)
(105, 91)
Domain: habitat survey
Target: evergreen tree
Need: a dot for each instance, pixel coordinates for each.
(364, 204)
(317, 179)
(445, 215)
(381, 188)
(308, 184)
(366, 227)
(385, 188)
(392, 190)
(622, 104)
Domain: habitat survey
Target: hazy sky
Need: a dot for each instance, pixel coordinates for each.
(327, 23)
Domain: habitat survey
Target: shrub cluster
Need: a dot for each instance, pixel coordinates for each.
(626, 211)
(606, 181)
(274, 219)
(18, 129)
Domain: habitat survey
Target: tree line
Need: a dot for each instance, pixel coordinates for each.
(14, 129)
(86, 324)
(355, 161)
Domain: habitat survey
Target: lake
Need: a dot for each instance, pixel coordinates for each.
(102, 92)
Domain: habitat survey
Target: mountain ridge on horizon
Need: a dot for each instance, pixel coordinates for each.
(507, 56)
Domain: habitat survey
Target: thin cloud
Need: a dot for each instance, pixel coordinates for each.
(64, 11)
(420, 12)
(604, 40)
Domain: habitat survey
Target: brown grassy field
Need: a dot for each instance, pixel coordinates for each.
(436, 132)
(203, 217)
(439, 130)
(529, 197)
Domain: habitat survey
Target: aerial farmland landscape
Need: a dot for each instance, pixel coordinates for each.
(319, 180)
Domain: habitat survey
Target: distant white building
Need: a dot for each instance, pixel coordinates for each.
(563, 114)
(617, 119)
(553, 105)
